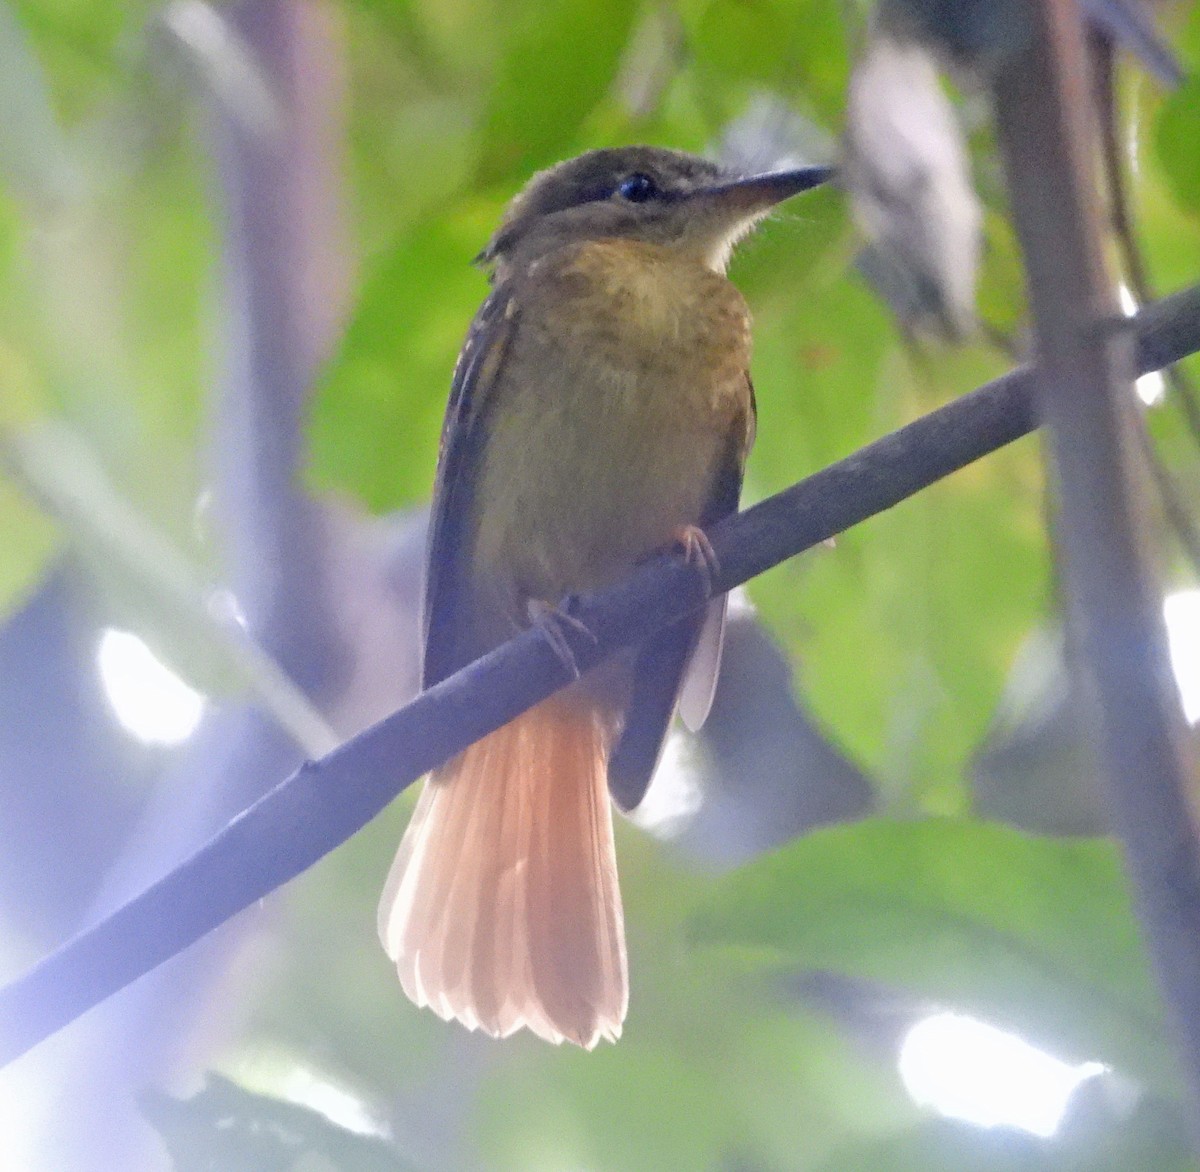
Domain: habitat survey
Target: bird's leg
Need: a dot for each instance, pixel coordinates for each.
(697, 550)
(554, 622)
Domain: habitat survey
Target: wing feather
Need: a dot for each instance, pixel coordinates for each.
(463, 433)
(678, 667)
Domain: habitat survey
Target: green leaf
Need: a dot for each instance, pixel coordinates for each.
(80, 43)
(1001, 296)
(228, 1127)
(1031, 933)
(947, 584)
(742, 39)
(29, 535)
(935, 594)
(795, 48)
(942, 1146)
(29, 541)
(1176, 136)
(34, 158)
(1168, 228)
(378, 407)
(559, 61)
(1154, 1139)
(704, 1075)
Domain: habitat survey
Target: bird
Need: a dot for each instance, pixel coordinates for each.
(601, 411)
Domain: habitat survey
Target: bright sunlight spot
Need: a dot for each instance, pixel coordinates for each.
(149, 699)
(674, 796)
(967, 1069)
(17, 1107)
(1150, 387)
(338, 1104)
(1182, 614)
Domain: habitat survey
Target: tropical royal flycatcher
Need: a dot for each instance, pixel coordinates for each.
(601, 410)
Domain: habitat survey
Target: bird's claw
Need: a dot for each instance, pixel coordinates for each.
(697, 550)
(555, 622)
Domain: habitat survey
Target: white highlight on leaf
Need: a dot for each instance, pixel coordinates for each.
(149, 699)
(283, 1074)
(339, 1104)
(966, 1069)
(1181, 612)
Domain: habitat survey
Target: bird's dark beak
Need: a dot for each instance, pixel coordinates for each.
(758, 193)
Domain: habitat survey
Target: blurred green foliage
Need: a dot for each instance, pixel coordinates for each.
(902, 634)
(229, 1128)
(1035, 934)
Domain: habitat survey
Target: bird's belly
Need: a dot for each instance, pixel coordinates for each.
(624, 393)
(576, 489)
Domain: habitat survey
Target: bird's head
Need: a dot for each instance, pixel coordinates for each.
(663, 197)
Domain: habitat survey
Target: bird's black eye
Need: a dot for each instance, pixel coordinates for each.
(637, 188)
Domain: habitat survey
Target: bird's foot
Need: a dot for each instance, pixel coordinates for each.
(697, 550)
(555, 622)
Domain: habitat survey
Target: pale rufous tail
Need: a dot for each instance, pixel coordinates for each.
(502, 908)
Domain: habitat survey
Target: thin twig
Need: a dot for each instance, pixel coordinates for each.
(324, 803)
(1087, 401)
(1178, 515)
(58, 471)
(1132, 260)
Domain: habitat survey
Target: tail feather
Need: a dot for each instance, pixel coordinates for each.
(502, 909)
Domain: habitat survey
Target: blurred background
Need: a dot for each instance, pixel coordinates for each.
(873, 919)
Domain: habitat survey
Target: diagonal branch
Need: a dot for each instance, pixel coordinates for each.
(325, 802)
